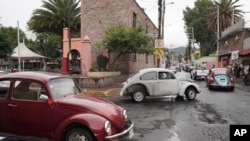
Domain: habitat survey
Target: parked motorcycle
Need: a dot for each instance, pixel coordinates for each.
(246, 78)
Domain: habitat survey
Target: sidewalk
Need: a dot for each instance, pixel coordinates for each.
(240, 84)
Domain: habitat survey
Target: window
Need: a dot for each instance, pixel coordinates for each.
(166, 75)
(134, 19)
(63, 86)
(4, 88)
(27, 90)
(149, 76)
(163, 75)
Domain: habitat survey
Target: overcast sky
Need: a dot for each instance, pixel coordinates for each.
(13, 11)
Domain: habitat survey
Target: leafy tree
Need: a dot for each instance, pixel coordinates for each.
(8, 40)
(197, 26)
(120, 39)
(5, 44)
(48, 45)
(53, 16)
(227, 8)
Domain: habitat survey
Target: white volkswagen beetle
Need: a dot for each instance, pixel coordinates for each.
(158, 82)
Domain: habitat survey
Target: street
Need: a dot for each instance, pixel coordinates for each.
(205, 119)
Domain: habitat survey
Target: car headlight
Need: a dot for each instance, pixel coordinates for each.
(125, 114)
(107, 127)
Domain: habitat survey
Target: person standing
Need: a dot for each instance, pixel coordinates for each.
(238, 71)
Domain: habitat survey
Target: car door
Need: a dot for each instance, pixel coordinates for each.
(26, 113)
(167, 84)
(4, 90)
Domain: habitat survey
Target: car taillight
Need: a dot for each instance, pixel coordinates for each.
(232, 80)
(211, 79)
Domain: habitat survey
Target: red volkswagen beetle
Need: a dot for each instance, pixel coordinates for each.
(48, 106)
(220, 78)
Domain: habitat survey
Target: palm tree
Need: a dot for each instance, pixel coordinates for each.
(53, 16)
(228, 14)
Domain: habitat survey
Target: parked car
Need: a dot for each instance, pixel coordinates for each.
(158, 82)
(53, 107)
(220, 78)
(3, 72)
(199, 73)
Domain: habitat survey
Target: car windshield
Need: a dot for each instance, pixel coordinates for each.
(63, 86)
(200, 68)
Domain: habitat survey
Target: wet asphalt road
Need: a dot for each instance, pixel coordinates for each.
(205, 119)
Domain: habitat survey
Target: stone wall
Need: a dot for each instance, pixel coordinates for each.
(99, 82)
(98, 15)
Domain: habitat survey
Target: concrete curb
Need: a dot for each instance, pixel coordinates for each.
(104, 93)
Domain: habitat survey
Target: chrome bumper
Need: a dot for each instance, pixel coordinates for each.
(126, 134)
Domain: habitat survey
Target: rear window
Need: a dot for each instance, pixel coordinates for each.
(216, 72)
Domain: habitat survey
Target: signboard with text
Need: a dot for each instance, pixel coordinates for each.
(159, 43)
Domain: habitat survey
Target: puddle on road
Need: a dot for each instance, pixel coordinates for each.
(206, 113)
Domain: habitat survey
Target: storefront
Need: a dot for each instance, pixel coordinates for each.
(224, 59)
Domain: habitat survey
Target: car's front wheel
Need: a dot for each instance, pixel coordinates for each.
(78, 134)
(190, 93)
(138, 95)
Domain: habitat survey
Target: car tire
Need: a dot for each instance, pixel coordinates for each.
(138, 95)
(79, 134)
(210, 87)
(190, 93)
(232, 88)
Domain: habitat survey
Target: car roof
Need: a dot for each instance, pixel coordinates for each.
(45, 76)
(214, 69)
(153, 69)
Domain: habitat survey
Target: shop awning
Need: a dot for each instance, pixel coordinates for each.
(244, 52)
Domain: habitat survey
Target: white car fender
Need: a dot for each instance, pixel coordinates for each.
(184, 85)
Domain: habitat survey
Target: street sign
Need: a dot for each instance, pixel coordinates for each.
(159, 43)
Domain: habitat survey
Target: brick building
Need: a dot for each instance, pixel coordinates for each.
(235, 45)
(98, 15)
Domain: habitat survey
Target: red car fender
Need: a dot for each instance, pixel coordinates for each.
(92, 121)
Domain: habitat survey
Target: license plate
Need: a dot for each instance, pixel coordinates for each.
(222, 80)
(131, 134)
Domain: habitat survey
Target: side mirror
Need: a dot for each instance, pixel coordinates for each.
(43, 97)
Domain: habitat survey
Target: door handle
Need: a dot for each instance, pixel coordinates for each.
(12, 105)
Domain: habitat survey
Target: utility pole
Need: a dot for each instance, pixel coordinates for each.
(159, 19)
(163, 17)
(218, 30)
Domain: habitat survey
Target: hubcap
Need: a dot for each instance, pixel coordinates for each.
(77, 137)
(191, 94)
(138, 96)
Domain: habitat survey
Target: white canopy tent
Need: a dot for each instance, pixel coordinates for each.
(22, 53)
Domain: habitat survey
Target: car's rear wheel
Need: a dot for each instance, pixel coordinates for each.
(79, 134)
(190, 93)
(232, 88)
(138, 95)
